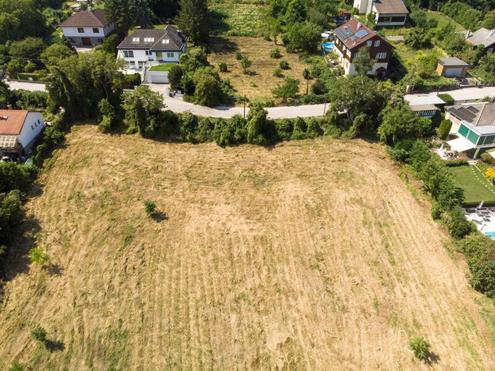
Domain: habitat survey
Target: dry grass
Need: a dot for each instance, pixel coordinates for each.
(311, 255)
(260, 85)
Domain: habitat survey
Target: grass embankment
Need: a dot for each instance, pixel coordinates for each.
(301, 256)
(162, 67)
(476, 187)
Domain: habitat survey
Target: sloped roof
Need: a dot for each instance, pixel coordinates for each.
(390, 7)
(354, 33)
(12, 121)
(480, 115)
(452, 62)
(168, 39)
(483, 37)
(86, 18)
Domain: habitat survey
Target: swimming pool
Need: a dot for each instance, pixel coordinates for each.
(491, 235)
(328, 46)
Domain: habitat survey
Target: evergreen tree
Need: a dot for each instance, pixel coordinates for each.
(193, 20)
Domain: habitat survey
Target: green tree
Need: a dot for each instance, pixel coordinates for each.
(303, 37)
(260, 130)
(175, 76)
(307, 77)
(142, 109)
(28, 49)
(363, 62)
(55, 53)
(128, 13)
(193, 20)
(289, 89)
(245, 64)
(208, 91)
(417, 38)
(444, 129)
(399, 123)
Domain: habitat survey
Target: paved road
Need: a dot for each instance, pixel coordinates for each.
(314, 110)
(462, 95)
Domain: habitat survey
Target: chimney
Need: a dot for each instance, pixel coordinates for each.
(4, 118)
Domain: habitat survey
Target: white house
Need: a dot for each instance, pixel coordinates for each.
(18, 130)
(150, 47)
(386, 12)
(483, 37)
(87, 28)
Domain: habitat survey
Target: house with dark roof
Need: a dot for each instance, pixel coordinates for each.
(483, 37)
(19, 130)
(386, 12)
(452, 67)
(351, 37)
(474, 126)
(87, 28)
(150, 47)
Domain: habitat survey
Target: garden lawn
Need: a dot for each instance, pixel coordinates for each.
(443, 19)
(162, 67)
(472, 181)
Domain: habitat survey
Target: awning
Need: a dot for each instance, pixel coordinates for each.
(460, 144)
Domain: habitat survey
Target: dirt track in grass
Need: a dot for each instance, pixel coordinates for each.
(310, 255)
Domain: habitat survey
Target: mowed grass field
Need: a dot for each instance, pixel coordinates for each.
(309, 255)
(476, 187)
(260, 84)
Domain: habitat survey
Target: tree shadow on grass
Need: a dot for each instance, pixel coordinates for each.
(159, 216)
(54, 345)
(217, 22)
(222, 45)
(432, 358)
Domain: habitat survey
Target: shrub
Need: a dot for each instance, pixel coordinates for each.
(188, 124)
(447, 99)
(16, 366)
(275, 53)
(436, 212)
(245, 64)
(277, 72)
(444, 129)
(205, 130)
(222, 67)
(238, 56)
(420, 347)
(130, 81)
(319, 87)
(39, 333)
(457, 224)
(284, 64)
(38, 256)
(175, 76)
(284, 129)
(287, 90)
(299, 131)
(230, 132)
(149, 207)
(487, 158)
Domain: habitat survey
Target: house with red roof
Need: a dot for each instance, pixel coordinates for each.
(351, 37)
(19, 130)
(87, 28)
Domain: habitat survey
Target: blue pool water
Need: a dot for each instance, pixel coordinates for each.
(328, 46)
(491, 235)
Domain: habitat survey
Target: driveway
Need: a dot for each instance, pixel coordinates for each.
(461, 95)
(25, 85)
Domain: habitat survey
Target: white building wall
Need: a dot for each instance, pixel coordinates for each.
(88, 32)
(33, 126)
(140, 58)
(361, 6)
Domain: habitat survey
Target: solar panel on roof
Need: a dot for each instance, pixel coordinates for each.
(361, 33)
(473, 109)
(465, 115)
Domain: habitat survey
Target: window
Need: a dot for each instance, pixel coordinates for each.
(369, 43)
(381, 56)
(80, 30)
(135, 39)
(170, 55)
(96, 30)
(148, 52)
(377, 43)
(128, 54)
(32, 127)
(166, 41)
(149, 39)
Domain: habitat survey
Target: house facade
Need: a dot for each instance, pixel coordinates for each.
(386, 12)
(483, 37)
(150, 47)
(19, 130)
(87, 28)
(353, 36)
(474, 126)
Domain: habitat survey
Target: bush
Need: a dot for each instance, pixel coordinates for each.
(284, 129)
(175, 76)
(222, 67)
(487, 158)
(238, 56)
(444, 129)
(455, 163)
(149, 207)
(130, 81)
(447, 99)
(480, 254)
(277, 72)
(39, 333)
(245, 64)
(420, 347)
(284, 65)
(16, 366)
(457, 224)
(230, 132)
(275, 53)
(38, 256)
